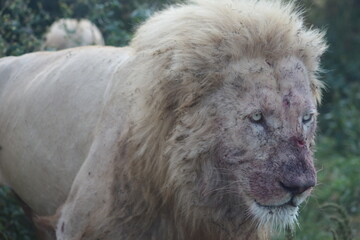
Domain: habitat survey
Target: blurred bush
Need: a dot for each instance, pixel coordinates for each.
(24, 22)
(340, 111)
(13, 224)
(20, 26)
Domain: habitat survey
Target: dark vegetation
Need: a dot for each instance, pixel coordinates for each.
(333, 212)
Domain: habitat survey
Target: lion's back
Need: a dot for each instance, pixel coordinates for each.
(50, 105)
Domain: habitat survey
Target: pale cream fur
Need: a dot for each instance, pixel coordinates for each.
(68, 33)
(162, 163)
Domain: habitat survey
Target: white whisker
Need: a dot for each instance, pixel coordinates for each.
(275, 218)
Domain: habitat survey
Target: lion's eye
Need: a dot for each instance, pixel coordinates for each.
(307, 117)
(256, 117)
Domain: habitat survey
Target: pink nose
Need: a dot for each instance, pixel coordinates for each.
(298, 187)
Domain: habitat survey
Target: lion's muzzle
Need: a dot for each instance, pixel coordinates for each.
(289, 179)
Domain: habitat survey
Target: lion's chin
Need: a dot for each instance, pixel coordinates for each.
(277, 217)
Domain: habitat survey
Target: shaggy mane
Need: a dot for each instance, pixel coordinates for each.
(205, 35)
(182, 52)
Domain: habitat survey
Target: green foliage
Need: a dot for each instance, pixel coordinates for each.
(23, 23)
(20, 27)
(340, 115)
(13, 224)
(341, 223)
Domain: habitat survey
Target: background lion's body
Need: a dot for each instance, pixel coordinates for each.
(50, 105)
(68, 33)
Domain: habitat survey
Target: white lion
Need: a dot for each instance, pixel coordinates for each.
(69, 33)
(202, 129)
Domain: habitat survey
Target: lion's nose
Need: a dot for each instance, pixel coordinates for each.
(297, 187)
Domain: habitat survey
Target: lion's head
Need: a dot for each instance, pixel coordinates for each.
(229, 113)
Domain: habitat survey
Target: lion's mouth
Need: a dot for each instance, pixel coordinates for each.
(288, 204)
(275, 216)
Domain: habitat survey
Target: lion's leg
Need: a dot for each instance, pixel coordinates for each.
(90, 196)
(87, 202)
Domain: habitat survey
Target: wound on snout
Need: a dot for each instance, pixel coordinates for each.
(299, 141)
(286, 100)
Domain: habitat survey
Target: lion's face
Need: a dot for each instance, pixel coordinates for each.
(253, 141)
(266, 130)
